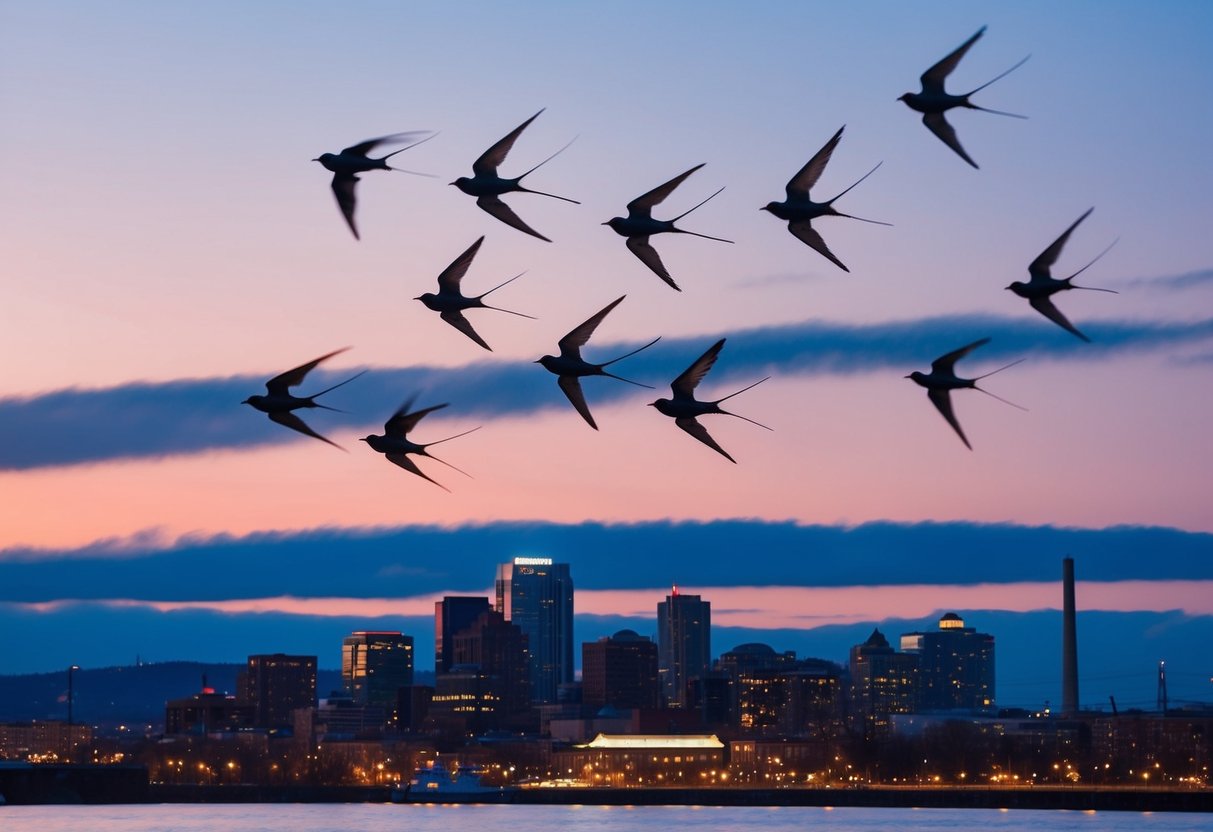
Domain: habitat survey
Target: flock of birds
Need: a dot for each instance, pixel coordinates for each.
(798, 209)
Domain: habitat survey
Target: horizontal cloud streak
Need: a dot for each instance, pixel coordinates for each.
(137, 420)
(421, 560)
(1188, 280)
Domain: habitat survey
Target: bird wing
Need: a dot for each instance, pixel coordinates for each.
(363, 148)
(648, 255)
(808, 235)
(407, 464)
(932, 80)
(692, 426)
(452, 275)
(403, 422)
(347, 200)
(798, 186)
(942, 400)
(503, 212)
(946, 363)
(489, 161)
(290, 420)
(1044, 306)
(281, 383)
(572, 391)
(645, 202)
(571, 344)
(938, 125)
(684, 386)
(1041, 265)
(456, 319)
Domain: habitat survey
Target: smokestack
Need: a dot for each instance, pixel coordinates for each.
(1069, 642)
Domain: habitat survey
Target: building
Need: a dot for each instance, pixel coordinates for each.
(375, 665)
(498, 649)
(684, 644)
(955, 666)
(883, 682)
(620, 672)
(452, 614)
(537, 595)
(207, 712)
(276, 684)
(646, 760)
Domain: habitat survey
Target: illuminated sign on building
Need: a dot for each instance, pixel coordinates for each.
(532, 561)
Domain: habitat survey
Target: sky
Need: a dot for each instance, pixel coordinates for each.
(169, 245)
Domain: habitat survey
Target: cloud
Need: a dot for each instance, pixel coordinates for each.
(1188, 280)
(140, 420)
(364, 563)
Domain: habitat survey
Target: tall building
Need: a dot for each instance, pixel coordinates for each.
(375, 665)
(537, 595)
(955, 666)
(276, 684)
(620, 671)
(1069, 641)
(883, 682)
(498, 648)
(452, 614)
(684, 644)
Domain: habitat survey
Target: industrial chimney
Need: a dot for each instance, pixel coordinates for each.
(1069, 642)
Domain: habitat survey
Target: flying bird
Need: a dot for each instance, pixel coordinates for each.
(354, 160)
(685, 408)
(570, 367)
(487, 186)
(278, 401)
(800, 210)
(396, 446)
(639, 225)
(450, 300)
(933, 101)
(1042, 285)
(943, 379)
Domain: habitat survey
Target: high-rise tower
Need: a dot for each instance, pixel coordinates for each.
(375, 665)
(537, 595)
(1069, 642)
(684, 644)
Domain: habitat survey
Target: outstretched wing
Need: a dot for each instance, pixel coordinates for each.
(1041, 265)
(1045, 307)
(571, 344)
(803, 231)
(456, 319)
(363, 148)
(290, 420)
(946, 363)
(571, 386)
(503, 212)
(684, 386)
(452, 275)
(939, 125)
(492, 158)
(798, 186)
(280, 384)
(642, 248)
(692, 426)
(644, 203)
(933, 78)
(942, 400)
(347, 200)
(403, 422)
(407, 464)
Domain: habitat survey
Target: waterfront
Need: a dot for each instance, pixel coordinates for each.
(393, 818)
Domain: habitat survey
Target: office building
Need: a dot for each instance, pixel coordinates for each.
(620, 672)
(537, 595)
(375, 665)
(955, 666)
(883, 682)
(498, 649)
(452, 614)
(684, 644)
(276, 684)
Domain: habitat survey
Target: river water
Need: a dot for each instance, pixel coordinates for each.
(375, 817)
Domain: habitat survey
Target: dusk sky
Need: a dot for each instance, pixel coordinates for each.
(169, 245)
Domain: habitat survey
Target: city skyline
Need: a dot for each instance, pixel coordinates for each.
(170, 245)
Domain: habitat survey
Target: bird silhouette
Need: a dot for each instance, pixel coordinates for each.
(570, 368)
(354, 160)
(487, 186)
(278, 401)
(933, 101)
(450, 300)
(396, 446)
(942, 380)
(639, 225)
(1041, 285)
(685, 408)
(800, 210)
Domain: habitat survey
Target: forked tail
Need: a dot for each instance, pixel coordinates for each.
(997, 78)
(1089, 265)
(334, 387)
(630, 354)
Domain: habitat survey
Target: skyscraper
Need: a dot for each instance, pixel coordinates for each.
(375, 665)
(452, 614)
(684, 644)
(620, 671)
(883, 682)
(537, 595)
(955, 666)
(277, 684)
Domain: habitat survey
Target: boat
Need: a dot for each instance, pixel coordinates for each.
(437, 784)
